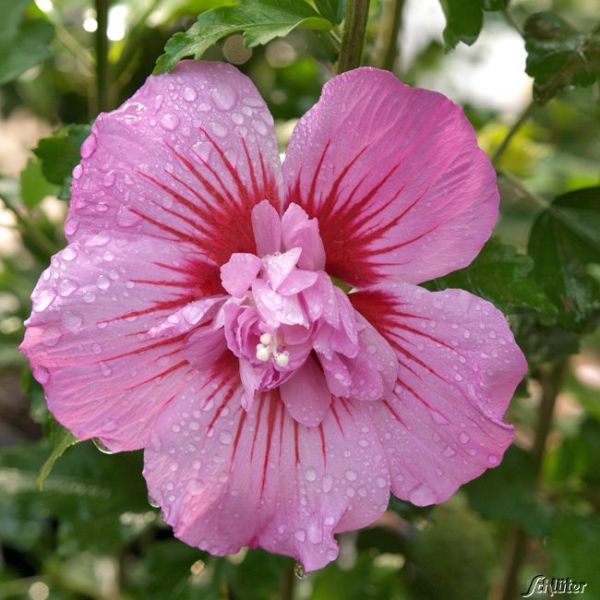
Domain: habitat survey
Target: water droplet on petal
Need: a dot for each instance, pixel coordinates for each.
(493, 459)
(77, 171)
(225, 437)
(218, 129)
(43, 300)
(89, 146)
(109, 179)
(189, 94)
(66, 287)
(68, 254)
(223, 96)
(351, 475)
(300, 535)
(102, 283)
(41, 374)
(310, 474)
(464, 438)
(152, 502)
(169, 121)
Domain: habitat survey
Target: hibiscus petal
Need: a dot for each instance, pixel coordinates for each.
(306, 395)
(239, 272)
(395, 178)
(458, 368)
(279, 266)
(300, 231)
(266, 225)
(89, 342)
(226, 478)
(184, 159)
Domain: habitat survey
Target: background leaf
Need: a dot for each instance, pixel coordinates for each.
(24, 45)
(260, 21)
(563, 242)
(559, 56)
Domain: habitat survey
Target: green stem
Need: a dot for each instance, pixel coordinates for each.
(519, 187)
(288, 583)
(521, 119)
(552, 381)
(510, 19)
(102, 82)
(355, 26)
(386, 50)
(43, 246)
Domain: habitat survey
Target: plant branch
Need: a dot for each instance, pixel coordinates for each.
(386, 48)
(510, 19)
(355, 26)
(524, 191)
(102, 81)
(43, 245)
(521, 119)
(552, 380)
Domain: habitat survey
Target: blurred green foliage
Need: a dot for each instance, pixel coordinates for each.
(92, 533)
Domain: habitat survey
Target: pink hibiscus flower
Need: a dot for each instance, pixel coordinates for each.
(194, 314)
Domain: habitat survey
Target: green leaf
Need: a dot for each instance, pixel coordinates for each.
(22, 45)
(563, 243)
(34, 186)
(260, 21)
(61, 439)
(60, 153)
(333, 10)
(559, 56)
(503, 276)
(464, 19)
(507, 493)
(573, 550)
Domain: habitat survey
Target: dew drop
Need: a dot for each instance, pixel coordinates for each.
(77, 171)
(102, 283)
(126, 217)
(300, 535)
(89, 146)
(351, 475)
(223, 96)
(43, 300)
(71, 226)
(152, 502)
(169, 121)
(225, 437)
(493, 459)
(218, 129)
(189, 94)
(310, 474)
(68, 254)
(464, 438)
(327, 484)
(42, 375)
(66, 287)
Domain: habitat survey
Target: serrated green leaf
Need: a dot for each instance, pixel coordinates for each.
(501, 275)
(34, 186)
(333, 10)
(464, 19)
(24, 46)
(559, 56)
(563, 241)
(61, 439)
(259, 21)
(60, 153)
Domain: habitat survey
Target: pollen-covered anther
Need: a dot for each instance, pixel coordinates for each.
(267, 349)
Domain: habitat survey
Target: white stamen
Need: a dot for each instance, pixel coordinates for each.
(266, 339)
(263, 353)
(282, 359)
